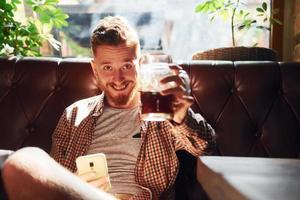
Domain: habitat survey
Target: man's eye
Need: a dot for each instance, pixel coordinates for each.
(107, 68)
(127, 66)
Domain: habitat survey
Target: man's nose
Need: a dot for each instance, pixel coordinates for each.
(118, 76)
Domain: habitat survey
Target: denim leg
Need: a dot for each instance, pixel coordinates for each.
(3, 156)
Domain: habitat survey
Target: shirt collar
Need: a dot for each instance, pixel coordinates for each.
(97, 111)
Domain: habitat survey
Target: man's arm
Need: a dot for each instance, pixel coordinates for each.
(60, 138)
(31, 173)
(194, 135)
(191, 132)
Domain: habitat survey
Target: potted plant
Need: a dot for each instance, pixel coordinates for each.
(25, 38)
(240, 20)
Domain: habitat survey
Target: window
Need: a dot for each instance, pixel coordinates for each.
(170, 26)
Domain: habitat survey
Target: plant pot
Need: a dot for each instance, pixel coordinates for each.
(237, 54)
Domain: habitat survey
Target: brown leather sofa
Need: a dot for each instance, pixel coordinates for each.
(254, 107)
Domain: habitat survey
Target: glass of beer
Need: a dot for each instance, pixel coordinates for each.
(155, 107)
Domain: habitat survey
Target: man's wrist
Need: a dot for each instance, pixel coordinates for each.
(180, 118)
(175, 123)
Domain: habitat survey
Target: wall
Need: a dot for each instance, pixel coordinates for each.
(296, 54)
(288, 30)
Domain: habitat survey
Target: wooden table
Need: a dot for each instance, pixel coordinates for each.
(244, 178)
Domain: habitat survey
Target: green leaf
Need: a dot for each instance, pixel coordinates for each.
(259, 10)
(44, 9)
(32, 28)
(219, 4)
(241, 27)
(272, 21)
(248, 23)
(30, 2)
(264, 6)
(210, 7)
(200, 7)
(275, 21)
(7, 7)
(2, 3)
(10, 13)
(224, 14)
(52, 2)
(64, 23)
(45, 18)
(24, 32)
(263, 28)
(16, 1)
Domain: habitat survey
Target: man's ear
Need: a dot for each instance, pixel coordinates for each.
(94, 68)
(93, 65)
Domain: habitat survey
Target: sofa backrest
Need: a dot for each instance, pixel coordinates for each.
(33, 94)
(254, 107)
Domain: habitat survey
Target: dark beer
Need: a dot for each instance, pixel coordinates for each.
(156, 107)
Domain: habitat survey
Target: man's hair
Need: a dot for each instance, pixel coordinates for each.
(113, 31)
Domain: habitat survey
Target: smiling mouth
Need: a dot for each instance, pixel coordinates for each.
(120, 87)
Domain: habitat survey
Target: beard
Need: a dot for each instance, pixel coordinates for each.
(120, 98)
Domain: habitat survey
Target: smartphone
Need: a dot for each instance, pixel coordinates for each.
(93, 163)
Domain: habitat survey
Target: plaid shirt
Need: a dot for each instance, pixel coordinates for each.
(157, 164)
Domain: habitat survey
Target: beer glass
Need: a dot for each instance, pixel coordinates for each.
(155, 107)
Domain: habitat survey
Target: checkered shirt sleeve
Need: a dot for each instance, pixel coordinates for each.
(69, 141)
(60, 138)
(194, 135)
(157, 164)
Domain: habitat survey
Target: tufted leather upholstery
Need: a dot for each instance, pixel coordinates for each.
(254, 107)
(33, 95)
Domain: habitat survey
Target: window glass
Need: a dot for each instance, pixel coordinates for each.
(171, 26)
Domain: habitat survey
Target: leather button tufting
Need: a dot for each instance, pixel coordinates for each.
(58, 88)
(258, 134)
(30, 129)
(232, 90)
(13, 86)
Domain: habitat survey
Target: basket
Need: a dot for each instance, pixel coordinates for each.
(237, 54)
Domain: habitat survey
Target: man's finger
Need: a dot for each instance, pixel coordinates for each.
(174, 78)
(180, 90)
(100, 182)
(184, 100)
(175, 68)
(87, 176)
(186, 81)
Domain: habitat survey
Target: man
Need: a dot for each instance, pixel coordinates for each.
(141, 155)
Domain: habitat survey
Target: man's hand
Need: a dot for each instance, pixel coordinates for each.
(181, 91)
(102, 183)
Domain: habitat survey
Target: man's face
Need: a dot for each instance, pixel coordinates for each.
(116, 70)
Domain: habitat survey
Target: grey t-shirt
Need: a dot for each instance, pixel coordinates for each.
(117, 135)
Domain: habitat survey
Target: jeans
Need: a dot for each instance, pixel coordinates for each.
(3, 156)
